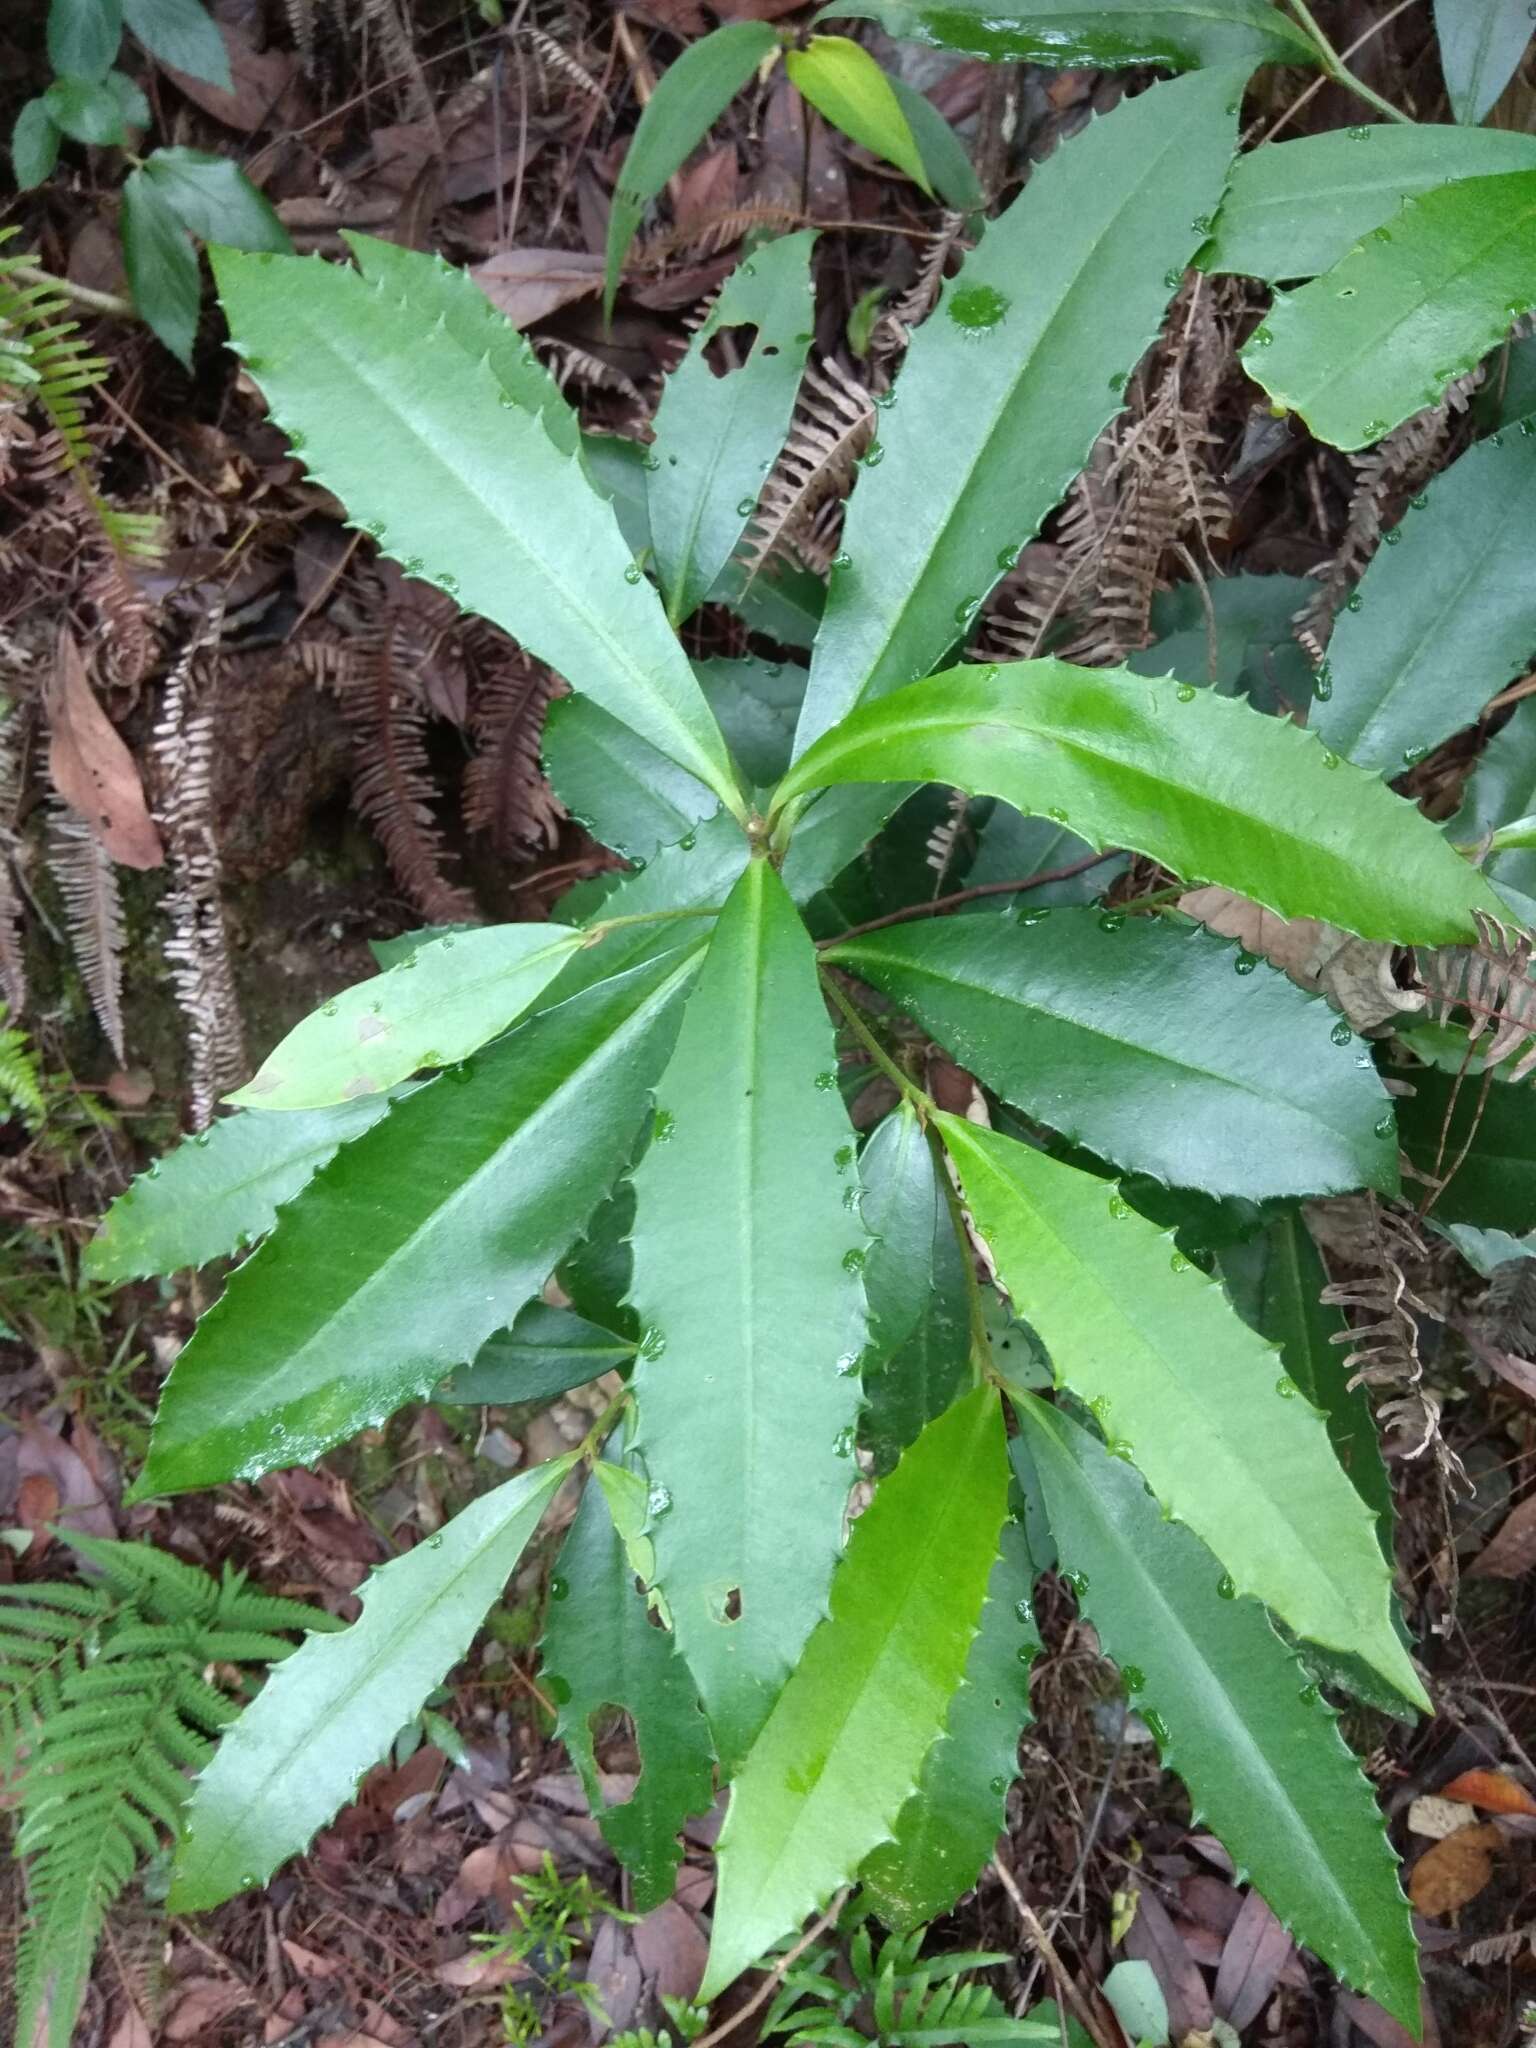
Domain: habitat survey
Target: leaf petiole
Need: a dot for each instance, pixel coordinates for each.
(1340, 72)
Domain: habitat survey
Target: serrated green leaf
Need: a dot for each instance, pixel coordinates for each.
(1235, 633)
(950, 170)
(1200, 782)
(757, 704)
(213, 199)
(948, 1828)
(1443, 618)
(34, 145)
(917, 1287)
(716, 435)
(182, 34)
(1481, 44)
(746, 1281)
(546, 1352)
(1292, 209)
(690, 96)
(1261, 1754)
(435, 1008)
(162, 266)
(1403, 315)
(1098, 230)
(474, 481)
(1225, 1440)
(1483, 1135)
(83, 36)
(331, 1710)
(600, 1652)
(1503, 786)
(847, 87)
(843, 1748)
(87, 110)
(1139, 1041)
(1180, 35)
(426, 1235)
(615, 784)
(220, 1190)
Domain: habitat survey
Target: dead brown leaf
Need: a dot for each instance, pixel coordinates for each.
(201, 2002)
(91, 767)
(1355, 974)
(1257, 1951)
(265, 85)
(1453, 1871)
(1494, 1791)
(78, 1500)
(530, 284)
(1512, 1550)
(1152, 1938)
(131, 2031)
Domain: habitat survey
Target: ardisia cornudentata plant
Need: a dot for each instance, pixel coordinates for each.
(983, 1314)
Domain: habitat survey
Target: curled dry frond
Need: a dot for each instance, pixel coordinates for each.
(833, 425)
(1492, 982)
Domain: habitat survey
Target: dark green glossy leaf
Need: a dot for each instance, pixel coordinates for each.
(330, 1711)
(34, 145)
(83, 36)
(844, 1746)
(162, 265)
(182, 34)
(950, 171)
(1503, 787)
(1481, 44)
(1234, 1715)
(1180, 35)
(690, 96)
(87, 110)
(1137, 1039)
(477, 482)
(950, 494)
(846, 86)
(1200, 782)
(219, 1191)
(1480, 1133)
(717, 435)
(546, 1352)
(1225, 1439)
(1405, 313)
(757, 703)
(626, 794)
(1256, 654)
(602, 1654)
(949, 1827)
(1444, 616)
(213, 199)
(1293, 209)
(425, 1236)
(747, 1258)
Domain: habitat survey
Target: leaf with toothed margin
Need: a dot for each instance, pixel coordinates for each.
(432, 1009)
(1233, 1713)
(332, 1709)
(1192, 1394)
(1179, 35)
(949, 1827)
(747, 1261)
(1136, 1039)
(1200, 782)
(420, 1239)
(602, 1653)
(220, 1189)
(1102, 232)
(476, 496)
(842, 1750)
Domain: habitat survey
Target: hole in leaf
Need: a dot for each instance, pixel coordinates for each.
(724, 1603)
(729, 349)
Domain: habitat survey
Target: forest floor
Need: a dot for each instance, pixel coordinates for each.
(375, 768)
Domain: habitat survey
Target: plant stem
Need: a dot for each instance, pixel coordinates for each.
(605, 925)
(882, 1059)
(934, 904)
(1340, 72)
(82, 294)
(981, 1348)
(592, 1442)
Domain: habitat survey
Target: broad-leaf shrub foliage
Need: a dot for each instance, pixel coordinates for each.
(645, 1096)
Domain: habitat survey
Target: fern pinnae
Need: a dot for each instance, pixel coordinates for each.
(833, 425)
(93, 910)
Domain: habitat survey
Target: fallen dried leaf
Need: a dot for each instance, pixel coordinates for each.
(1494, 1791)
(1513, 1547)
(529, 284)
(91, 767)
(1257, 1951)
(1152, 1938)
(201, 2003)
(131, 2031)
(1355, 974)
(1453, 1871)
(264, 81)
(79, 1502)
(1435, 1817)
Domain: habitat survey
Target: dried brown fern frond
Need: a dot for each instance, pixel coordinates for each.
(1492, 982)
(13, 966)
(568, 364)
(198, 948)
(1383, 1335)
(710, 235)
(554, 57)
(390, 25)
(1509, 1307)
(505, 793)
(833, 425)
(125, 638)
(93, 911)
(922, 294)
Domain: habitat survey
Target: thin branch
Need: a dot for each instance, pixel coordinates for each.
(971, 895)
(1340, 72)
(1035, 1934)
(82, 294)
(774, 1978)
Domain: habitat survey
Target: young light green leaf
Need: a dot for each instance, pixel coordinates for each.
(1443, 619)
(1479, 1137)
(1225, 1439)
(477, 497)
(948, 1828)
(220, 1190)
(435, 1008)
(842, 1751)
(1233, 1713)
(1180, 35)
(746, 1279)
(689, 98)
(420, 1240)
(162, 265)
(847, 87)
(213, 199)
(603, 1654)
(1098, 231)
(1293, 209)
(330, 1711)
(1200, 782)
(34, 145)
(1405, 313)
(716, 435)
(546, 1352)
(1481, 44)
(83, 36)
(183, 35)
(1140, 1042)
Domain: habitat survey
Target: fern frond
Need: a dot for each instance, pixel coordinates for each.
(1492, 982)
(833, 425)
(505, 793)
(93, 911)
(21, 1077)
(13, 969)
